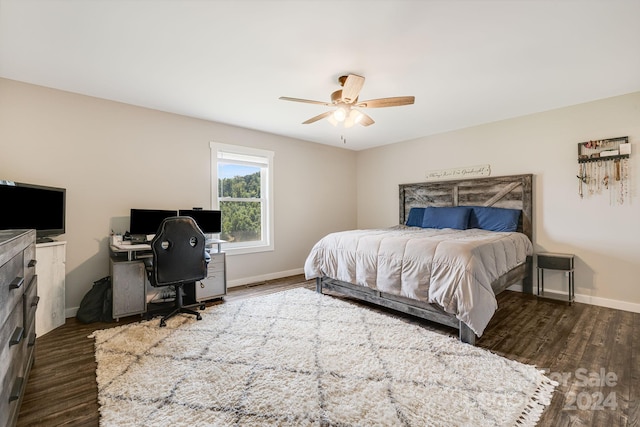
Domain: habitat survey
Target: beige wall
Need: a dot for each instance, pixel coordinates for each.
(604, 237)
(112, 157)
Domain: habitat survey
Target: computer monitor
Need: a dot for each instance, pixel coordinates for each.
(210, 222)
(147, 221)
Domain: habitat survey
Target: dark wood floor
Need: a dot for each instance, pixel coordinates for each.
(582, 346)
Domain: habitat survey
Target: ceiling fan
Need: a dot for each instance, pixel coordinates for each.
(346, 102)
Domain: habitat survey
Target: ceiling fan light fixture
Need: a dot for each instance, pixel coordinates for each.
(354, 117)
(341, 113)
(348, 122)
(332, 120)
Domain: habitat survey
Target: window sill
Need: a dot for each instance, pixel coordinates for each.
(247, 250)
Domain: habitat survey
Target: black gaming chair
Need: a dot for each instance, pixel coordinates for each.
(179, 258)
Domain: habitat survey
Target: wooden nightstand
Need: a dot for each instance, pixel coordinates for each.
(556, 261)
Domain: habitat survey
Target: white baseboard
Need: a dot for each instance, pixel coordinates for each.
(606, 302)
(591, 300)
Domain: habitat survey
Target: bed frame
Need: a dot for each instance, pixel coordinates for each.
(514, 192)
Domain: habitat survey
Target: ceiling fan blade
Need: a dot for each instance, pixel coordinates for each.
(318, 117)
(308, 101)
(366, 120)
(387, 102)
(351, 88)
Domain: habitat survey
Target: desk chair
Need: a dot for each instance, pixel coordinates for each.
(179, 258)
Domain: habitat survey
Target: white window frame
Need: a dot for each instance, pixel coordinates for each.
(266, 190)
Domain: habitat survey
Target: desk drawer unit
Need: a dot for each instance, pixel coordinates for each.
(128, 285)
(215, 284)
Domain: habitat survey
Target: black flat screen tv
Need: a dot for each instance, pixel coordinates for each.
(29, 206)
(147, 221)
(210, 222)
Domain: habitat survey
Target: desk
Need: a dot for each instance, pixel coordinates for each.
(131, 250)
(132, 290)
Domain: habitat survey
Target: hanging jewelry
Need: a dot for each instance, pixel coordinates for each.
(623, 180)
(581, 178)
(602, 165)
(592, 180)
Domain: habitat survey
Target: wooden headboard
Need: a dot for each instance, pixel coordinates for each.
(513, 192)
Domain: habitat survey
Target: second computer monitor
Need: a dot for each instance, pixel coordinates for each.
(209, 221)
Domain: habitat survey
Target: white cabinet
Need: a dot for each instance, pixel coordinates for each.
(215, 284)
(50, 268)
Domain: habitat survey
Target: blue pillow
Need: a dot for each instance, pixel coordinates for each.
(446, 217)
(494, 219)
(415, 217)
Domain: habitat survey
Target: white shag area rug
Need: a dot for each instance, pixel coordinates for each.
(304, 359)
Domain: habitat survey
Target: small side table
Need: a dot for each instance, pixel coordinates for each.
(556, 261)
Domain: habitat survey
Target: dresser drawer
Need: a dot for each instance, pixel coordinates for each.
(12, 285)
(12, 361)
(13, 385)
(12, 334)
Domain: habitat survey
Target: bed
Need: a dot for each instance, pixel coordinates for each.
(445, 275)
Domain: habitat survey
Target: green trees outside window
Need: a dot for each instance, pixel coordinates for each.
(240, 202)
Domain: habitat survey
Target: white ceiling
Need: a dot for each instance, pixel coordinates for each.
(466, 62)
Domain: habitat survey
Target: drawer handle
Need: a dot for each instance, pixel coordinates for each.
(16, 389)
(17, 336)
(35, 302)
(32, 340)
(17, 283)
(32, 263)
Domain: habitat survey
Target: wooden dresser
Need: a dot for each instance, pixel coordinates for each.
(18, 302)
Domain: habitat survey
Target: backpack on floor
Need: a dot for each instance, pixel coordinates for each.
(96, 305)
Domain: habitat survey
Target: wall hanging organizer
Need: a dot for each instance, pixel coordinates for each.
(603, 166)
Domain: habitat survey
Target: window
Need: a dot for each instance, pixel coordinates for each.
(242, 184)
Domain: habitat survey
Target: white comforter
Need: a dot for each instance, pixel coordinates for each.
(453, 268)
